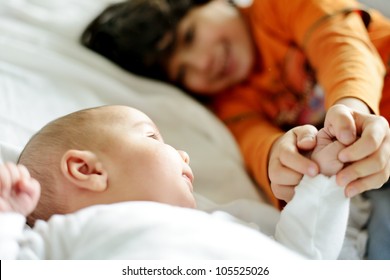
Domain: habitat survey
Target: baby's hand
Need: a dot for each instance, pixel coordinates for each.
(326, 153)
(18, 191)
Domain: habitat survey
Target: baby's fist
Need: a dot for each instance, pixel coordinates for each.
(326, 154)
(19, 192)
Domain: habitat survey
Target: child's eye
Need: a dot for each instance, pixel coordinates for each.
(187, 40)
(189, 35)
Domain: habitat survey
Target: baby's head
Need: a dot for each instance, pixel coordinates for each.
(203, 46)
(105, 155)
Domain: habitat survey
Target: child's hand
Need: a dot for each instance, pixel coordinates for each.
(369, 156)
(326, 153)
(18, 191)
(287, 165)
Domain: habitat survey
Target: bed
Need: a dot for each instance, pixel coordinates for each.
(46, 73)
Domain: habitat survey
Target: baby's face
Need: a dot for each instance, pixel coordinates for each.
(215, 49)
(140, 165)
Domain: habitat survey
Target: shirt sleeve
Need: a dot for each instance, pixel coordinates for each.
(346, 62)
(254, 134)
(11, 232)
(334, 36)
(314, 222)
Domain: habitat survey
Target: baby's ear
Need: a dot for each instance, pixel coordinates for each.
(84, 170)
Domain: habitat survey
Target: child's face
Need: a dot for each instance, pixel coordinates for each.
(140, 165)
(214, 51)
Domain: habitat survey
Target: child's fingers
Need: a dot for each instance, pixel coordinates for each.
(376, 165)
(306, 136)
(286, 151)
(374, 181)
(299, 163)
(339, 122)
(290, 177)
(295, 162)
(362, 148)
(287, 165)
(283, 180)
(283, 192)
(375, 136)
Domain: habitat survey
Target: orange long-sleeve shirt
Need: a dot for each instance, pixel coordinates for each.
(302, 44)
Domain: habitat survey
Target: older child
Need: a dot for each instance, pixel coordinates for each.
(267, 69)
(115, 154)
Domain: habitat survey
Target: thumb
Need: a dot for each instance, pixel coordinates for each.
(340, 123)
(306, 136)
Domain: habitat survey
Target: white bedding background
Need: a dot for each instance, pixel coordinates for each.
(46, 73)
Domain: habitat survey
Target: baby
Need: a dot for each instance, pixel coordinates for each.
(113, 154)
(105, 155)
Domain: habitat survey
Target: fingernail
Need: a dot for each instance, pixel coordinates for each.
(351, 192)
(343, 181)
(343, 157)
(307, 139)
(346, 137)
(312, 171)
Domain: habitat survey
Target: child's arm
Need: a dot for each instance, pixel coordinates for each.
(18, 191)
(351, 73)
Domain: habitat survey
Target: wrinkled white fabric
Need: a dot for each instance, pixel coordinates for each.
(132, 230)
(313, 224)
(315, 221)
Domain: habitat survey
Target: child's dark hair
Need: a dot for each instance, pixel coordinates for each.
(138, 35)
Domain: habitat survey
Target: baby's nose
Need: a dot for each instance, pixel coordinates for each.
(184, 156)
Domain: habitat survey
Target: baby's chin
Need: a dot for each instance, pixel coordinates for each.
(187, 203)
(191, 204)
(194, 206)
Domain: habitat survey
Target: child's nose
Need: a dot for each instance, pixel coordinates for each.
(197, 59)
(184, 156)
(201, 63)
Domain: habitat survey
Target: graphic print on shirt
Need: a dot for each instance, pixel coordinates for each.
(296, 98)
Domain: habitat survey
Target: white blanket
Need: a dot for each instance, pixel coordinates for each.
(312, 225)
(133, 230)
